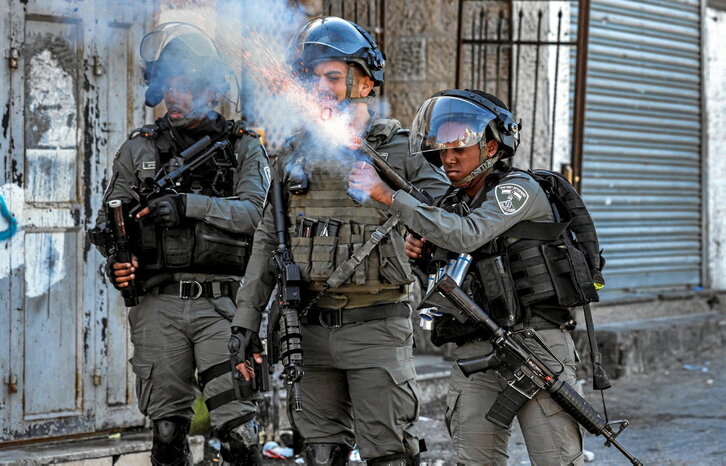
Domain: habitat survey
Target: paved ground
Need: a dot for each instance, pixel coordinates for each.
(677, 416)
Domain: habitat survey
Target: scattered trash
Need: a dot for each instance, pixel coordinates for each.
(275, 451)
(709, 382)
(299, 460)
(115, 436)
(215, 444)
(696, 367)
(424, 418)
(589, 456)
(354, 456)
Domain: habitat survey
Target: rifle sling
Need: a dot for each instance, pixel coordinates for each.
(346, 269)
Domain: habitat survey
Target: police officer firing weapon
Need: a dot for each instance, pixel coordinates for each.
(357, 384)
(192, 187)
(502, 239)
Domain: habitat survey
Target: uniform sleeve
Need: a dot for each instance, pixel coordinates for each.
(496, 215)
(251, 181)
(259, 280)
(415, 168)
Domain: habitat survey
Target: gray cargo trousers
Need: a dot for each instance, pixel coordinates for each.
(172, 339)
(552, 436)
(360, 387)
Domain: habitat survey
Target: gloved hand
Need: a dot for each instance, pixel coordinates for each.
(245, 343)
(120, 273)
(167, 210)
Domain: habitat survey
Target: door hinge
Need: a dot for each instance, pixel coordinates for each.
(98, 68)
(13, 56)
(12, 382)
(97, 377)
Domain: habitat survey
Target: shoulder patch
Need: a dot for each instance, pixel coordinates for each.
(511, 198)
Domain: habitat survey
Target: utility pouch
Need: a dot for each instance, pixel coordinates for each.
(498, 290)
(570, 275)
(150, 248)
(394, 267)
(177, 244)
(322, 260)
(301, 249)
(219, 249)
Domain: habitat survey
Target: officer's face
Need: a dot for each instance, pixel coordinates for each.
(458, 162)
(181, 97)
(329, 81)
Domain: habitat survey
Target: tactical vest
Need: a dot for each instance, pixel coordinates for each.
(327, 226)
(194, 245)
(533, 268)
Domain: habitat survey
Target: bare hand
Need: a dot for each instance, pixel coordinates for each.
(414, 246)
(247, 369)
(364, 178)
(124, 272)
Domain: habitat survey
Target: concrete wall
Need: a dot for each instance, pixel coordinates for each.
(716, 172)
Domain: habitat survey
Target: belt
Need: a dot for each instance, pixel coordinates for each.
(335, 318)
(192, 289)
(539, 323)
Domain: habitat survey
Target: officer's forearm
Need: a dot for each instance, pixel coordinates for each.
(240, 216)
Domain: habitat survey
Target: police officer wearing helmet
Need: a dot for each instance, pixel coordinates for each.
(468, 133)
(191, 250)
(359, 385)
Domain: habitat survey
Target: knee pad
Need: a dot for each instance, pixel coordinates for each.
(241, 444)
(399, 459)
(170, 446)
(327, 454)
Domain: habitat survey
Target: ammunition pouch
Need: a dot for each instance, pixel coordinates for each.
(550, 273)
(195, 245)
(497, 294)
(384, 268)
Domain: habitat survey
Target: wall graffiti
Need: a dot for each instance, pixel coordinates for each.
(7, 218)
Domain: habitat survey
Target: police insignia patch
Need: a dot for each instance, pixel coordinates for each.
(511, 198)
(148, 165)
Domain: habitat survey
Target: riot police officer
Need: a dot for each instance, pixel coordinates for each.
(191, 247)
(359, 383)
(468, 133)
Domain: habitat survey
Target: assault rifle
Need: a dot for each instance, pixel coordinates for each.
(526, 374)
(285, 316)
(189, 160)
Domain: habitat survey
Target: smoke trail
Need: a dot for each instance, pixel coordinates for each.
(258, 43)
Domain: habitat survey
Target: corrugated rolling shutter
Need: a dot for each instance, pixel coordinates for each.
(641, 174)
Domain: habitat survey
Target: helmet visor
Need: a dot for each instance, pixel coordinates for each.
(197, 43)
(446, 122)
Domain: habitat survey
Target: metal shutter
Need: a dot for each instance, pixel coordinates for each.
(641, 172)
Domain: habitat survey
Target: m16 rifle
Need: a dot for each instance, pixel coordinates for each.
(526, 374)
(285, 316)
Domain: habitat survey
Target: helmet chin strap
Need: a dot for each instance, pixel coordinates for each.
(349, 81)
(478, 171)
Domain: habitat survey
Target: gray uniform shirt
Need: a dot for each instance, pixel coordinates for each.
(255, 293)
(517, 197)
(138, 159)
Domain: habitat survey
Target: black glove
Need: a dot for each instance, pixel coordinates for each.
(168, 210)
(244, 341)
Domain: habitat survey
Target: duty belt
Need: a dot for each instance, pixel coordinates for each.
(539, 323)
(193, 289)
(335, 318)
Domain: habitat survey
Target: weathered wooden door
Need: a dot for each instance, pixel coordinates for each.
(72, 75)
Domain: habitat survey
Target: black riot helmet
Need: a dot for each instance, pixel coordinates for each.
(181, 49)
(333, 38)
(462, 118)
